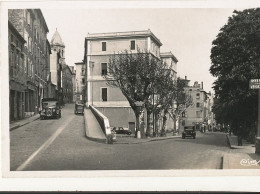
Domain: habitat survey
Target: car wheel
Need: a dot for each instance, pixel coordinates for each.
(41, 117)
(194, 137)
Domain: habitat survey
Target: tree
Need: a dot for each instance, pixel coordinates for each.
(163, 88)
(135, 74)
(182, 101)
(235, 57)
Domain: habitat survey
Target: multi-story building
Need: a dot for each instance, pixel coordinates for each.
(73, 70)
(31, 25)
(200, 111)
(171, 61)
(98, 49)
(80, 81)
(17, 73)
(67, 85)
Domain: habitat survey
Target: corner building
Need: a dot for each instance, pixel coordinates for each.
(98, 49)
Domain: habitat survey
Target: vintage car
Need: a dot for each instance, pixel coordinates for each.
(121, 130)
(189, 131)
(79, 108)
(50, 108)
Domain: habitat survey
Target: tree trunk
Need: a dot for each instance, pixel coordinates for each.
(239, 140)
(174, 122)
(149, 124)
(156, 124)
(137, 119)
(163, 132)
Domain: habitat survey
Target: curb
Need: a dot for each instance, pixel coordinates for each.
(97, 139)
(148, 140)
(17, 126)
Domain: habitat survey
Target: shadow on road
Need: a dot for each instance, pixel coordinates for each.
(212, 139)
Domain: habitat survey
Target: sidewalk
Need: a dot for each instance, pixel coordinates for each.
(240, 157)
(130, 139)
(17, 124)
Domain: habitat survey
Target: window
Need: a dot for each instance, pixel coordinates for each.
(82, 71)
(132, 44)
(103, 68)
(83, 81)
(104, 94)
(198, 95)
(104, 46)
(197, 104)
(198, 114)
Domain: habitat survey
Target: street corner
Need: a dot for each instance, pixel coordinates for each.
(240, 161)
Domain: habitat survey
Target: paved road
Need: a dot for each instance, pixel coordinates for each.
(60, 144)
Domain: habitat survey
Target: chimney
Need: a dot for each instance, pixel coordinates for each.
(185, 77)
(201, 85)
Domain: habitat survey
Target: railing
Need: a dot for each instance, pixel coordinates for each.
(102, 120)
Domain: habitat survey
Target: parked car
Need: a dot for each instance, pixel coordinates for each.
(189, 131)
(79, 108)
(121, 130)
(50, 108)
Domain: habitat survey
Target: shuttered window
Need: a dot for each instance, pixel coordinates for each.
(104, 94)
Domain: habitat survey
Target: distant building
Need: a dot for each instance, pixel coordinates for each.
(80, 81)
(31, 25)
(200, 113)
(67, 85)
(171, 61)
(73, 70)
(61, 74)
(98, 49)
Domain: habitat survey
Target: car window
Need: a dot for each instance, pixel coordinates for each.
(46, 104)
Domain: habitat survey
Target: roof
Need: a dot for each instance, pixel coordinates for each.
(56, 39)
(128, 34)
(168, 55)
(44, 22)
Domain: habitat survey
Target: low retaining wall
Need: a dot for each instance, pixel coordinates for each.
(103, 122)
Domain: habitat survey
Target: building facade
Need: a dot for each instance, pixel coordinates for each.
(80, 82)
(98, 50)
(17, 74)
(73, 70)
(200, 113)
(31, 25)
(67, 85)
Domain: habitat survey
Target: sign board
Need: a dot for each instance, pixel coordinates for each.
(254, 84)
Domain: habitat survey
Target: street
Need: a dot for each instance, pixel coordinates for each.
(60, 144)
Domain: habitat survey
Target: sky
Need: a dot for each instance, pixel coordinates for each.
(186, 32)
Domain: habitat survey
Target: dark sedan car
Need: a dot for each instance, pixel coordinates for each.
(79, 108)
(189, 131)
(50, 108)
(121, 130)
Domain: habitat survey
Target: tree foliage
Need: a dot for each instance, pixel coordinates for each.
(235, 57)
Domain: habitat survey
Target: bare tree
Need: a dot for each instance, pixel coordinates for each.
(183, 100)
(135, 75)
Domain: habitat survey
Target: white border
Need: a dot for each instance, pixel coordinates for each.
(172, 180)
